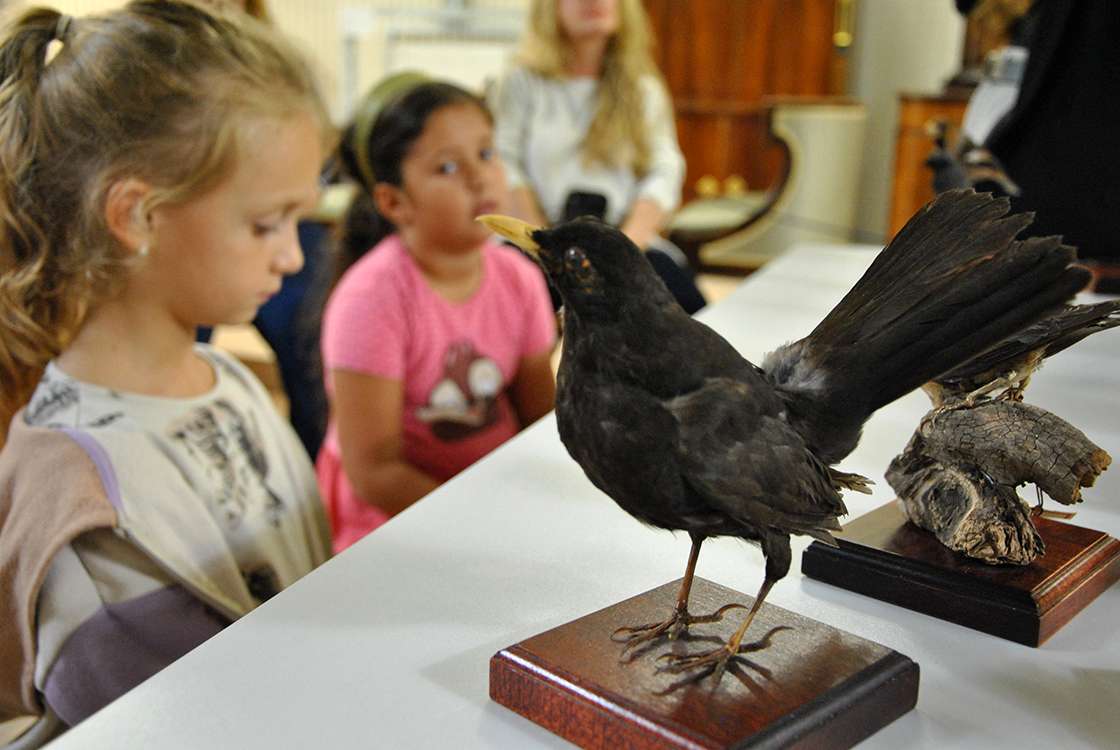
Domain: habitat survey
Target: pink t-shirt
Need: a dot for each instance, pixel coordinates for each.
(456, 361)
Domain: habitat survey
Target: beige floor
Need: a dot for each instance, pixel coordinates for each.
(248, 346)
(715, 287)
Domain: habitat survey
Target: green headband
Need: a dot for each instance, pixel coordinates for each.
(387, 90)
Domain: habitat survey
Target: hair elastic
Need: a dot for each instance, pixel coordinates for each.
(370, 107)
(62, 27)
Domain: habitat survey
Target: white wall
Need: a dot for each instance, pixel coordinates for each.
(468, 44)
(319, 26)
(901, 46)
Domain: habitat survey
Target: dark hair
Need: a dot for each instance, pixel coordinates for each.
(157, 90)
(394, 130)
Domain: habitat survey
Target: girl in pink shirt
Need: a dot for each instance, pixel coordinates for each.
(436, 340)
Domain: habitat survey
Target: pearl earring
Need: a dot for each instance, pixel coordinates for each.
(142, 251)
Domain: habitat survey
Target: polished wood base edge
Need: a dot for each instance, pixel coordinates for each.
(841, 718)
(850, 712)
(542, 679)
(1102, 561)
(1026, 616)
(571, 711)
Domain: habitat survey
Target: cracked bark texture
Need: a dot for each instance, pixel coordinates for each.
(958, 476)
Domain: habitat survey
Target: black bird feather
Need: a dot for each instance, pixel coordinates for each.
(1012, 362)
(666, 418)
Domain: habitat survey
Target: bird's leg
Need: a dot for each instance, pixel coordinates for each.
(719, 657)
(1038, 510)
(1012, 383)
(679, 620)
(776, 549)
(1015, 392)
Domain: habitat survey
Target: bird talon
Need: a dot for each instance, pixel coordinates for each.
(672, 628)
(677, 663)
(721, 667)
(626, 634)
(639, 634)
(718, 614)
(673, 659)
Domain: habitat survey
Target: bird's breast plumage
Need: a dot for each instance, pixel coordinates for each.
(648, 446)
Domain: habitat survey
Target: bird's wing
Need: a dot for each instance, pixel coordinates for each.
(738, 453)
(624, 440)
(1052, 334)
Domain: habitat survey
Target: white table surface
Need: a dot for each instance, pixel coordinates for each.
(388, 644)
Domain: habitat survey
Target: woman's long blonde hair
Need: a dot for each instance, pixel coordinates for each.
(620, 108)
(258, 10)
(159, 90)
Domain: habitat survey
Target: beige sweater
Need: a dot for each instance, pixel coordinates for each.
(50, 493)
(134, 527)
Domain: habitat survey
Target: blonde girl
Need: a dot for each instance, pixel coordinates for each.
(154, 162)
(585, 125)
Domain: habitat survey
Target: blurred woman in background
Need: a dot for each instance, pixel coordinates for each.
(585, 126)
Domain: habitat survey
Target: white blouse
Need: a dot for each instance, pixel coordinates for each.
(540, 124)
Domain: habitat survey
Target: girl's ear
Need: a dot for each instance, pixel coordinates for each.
(392, 203)
(124, 206)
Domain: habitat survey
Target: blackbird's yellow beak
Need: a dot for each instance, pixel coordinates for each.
(516, 231)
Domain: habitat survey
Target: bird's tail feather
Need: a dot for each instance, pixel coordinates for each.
(1052, 334)
(951, 284)
(822, 536)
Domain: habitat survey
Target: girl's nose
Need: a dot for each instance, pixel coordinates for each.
(289, 258)
(476, 175)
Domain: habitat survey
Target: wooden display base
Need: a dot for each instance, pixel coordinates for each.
(812, 686)
(885, 556)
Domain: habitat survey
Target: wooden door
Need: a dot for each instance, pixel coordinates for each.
(723, 58)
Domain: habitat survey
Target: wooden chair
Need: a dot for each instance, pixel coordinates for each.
(813, 199)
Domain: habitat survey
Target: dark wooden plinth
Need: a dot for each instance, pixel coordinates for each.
(814, 686)
(885, 556)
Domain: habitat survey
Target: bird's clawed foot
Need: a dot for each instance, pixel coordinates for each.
(714, 662)
(678, 623)
(849, 481)
(709, 662)
(1010, 388)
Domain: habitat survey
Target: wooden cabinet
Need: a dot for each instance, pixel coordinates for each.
(913, 180)
(722, 58)
(989, 26)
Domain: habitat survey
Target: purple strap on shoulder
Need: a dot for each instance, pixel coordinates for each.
(101, 460)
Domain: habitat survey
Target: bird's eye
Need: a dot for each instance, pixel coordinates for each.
(578, 268)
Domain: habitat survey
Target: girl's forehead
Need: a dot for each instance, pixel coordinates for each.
(277, 153)
(454, 118)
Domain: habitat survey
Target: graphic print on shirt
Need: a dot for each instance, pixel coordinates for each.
(227, 450)
(465, 400)
(51, 397)
(55, 397)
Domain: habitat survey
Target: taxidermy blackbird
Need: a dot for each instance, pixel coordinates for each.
(1010, 364)
(666, 418)
(958, 474)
